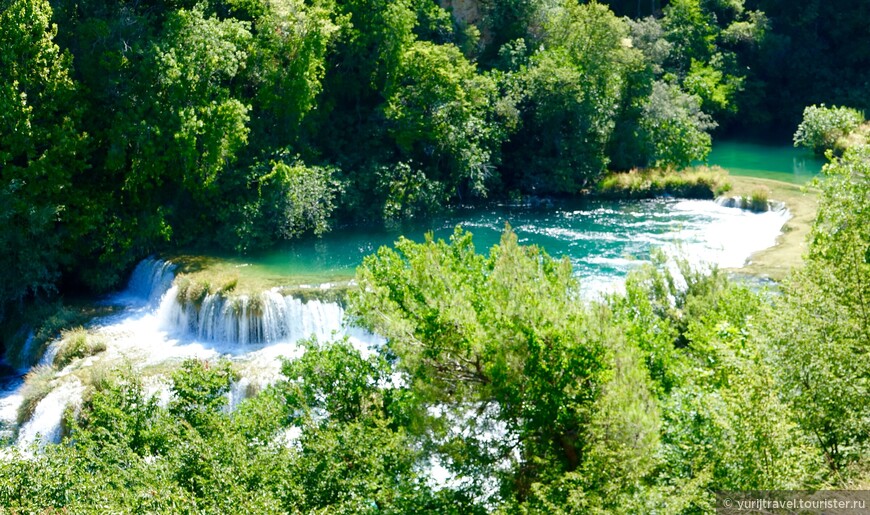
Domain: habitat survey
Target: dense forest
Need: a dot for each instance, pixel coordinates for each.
(129, 128)
(132, 127)
(525, 397)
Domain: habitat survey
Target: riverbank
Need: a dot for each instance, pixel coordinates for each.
(304, 267)
(802, 202)
(697, 182)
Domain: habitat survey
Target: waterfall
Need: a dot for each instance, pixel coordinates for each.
(150, 280)
(268, 317)
(45, 424)
(744, 203)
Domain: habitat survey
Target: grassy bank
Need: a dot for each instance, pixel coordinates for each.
(701, 182)
(201, 275)
(802, 202)
(709, 182)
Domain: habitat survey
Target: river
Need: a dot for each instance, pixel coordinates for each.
(603, 240)
(779, 162)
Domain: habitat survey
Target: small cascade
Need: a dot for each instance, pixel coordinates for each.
(45, 424)
(746, 203)
(50, 353)
(265, 318)
(150, 280)
(735, 202)
(238, 393)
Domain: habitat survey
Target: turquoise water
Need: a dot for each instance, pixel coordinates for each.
(778, 162)
(603, 240)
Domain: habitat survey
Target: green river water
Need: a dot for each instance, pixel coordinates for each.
(604, 240)
(778, 162)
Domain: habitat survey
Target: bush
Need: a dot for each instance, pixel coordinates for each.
(823, 127)
(757, 200)
(44, 322)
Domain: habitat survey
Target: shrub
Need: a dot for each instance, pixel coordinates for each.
(701, 182)
(822, 127)
(756, 201)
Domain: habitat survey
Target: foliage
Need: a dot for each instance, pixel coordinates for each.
(306, 196)
(699, 182)
(439, 112)
(805, 57)
(821, 323)
(478, 351)
(41, 151)
(193, 454)
(570, 91)
(674, 127)
(823, 128)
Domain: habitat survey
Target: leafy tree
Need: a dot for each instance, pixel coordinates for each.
(710, 42)
(674, 127)
(691, 30)
(504, 21)
(440, 114)
(825, 128)
(197, 60)
(42, 152)
(822, 324)
(499, 344)
(571, 90)
(287, 63)
(807, 56)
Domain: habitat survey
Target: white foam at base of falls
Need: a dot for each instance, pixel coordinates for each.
(732, 236)
(256, 333)
(44, 425)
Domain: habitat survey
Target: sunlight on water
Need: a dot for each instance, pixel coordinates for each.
(154, 331)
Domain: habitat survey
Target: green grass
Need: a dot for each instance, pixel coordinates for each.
(46, 321)
(37, 384)
(757, 200)
(76, 344)
(701, 182)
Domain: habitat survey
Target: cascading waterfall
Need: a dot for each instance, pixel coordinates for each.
(150, 280)
(45, 424)
(261, 319)
(160, 326)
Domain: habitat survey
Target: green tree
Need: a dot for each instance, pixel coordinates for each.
(499, 346)
(674, 127)
(822, 322)
(571, 91)
(42, 152)
(439, 113)
(287, 63)
(197, 61)
(826, 128)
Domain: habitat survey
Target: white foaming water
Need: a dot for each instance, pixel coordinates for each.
(45, 424)
(730, 238)
(267, 318)
(256, 332)
(149, 281)
(154, 329)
